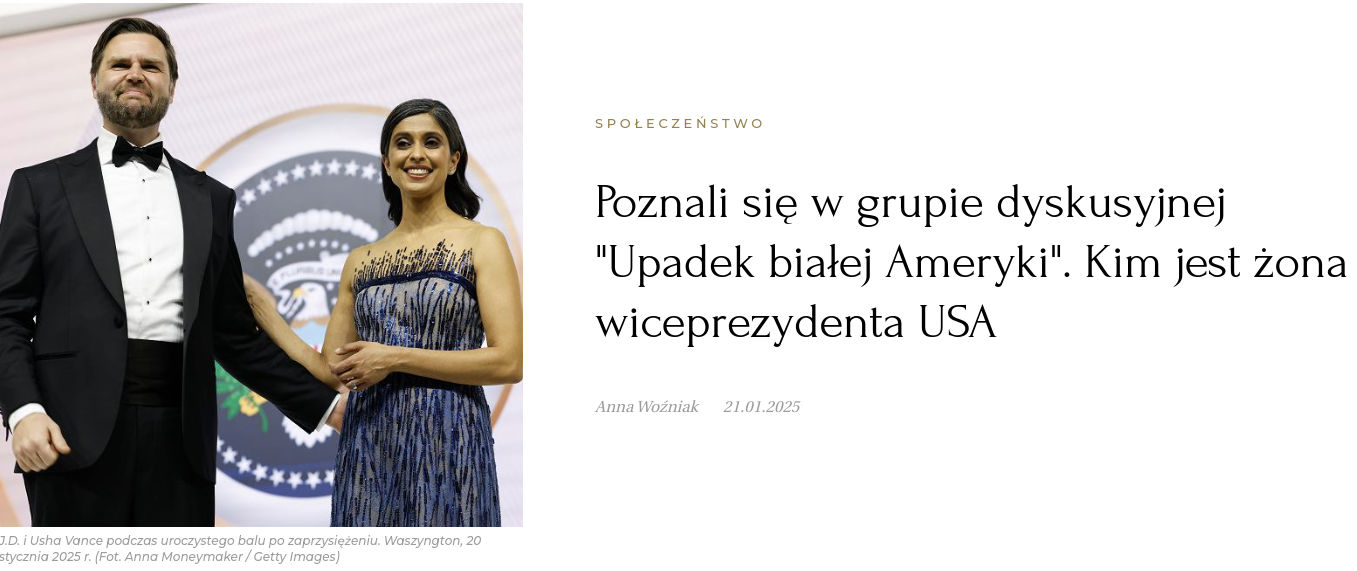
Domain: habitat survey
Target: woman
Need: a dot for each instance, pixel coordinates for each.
(406, 339)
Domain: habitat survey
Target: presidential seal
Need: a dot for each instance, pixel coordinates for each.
(296, 221)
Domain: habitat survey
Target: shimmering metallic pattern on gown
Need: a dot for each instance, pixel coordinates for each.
(416, 451)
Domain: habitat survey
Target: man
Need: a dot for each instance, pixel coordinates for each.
(126, 257)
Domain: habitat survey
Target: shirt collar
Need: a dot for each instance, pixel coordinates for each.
(105, 146)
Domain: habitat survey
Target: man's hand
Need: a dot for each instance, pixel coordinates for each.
(38, 443)
(336, 420)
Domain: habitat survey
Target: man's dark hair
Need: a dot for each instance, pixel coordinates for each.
(134, 26)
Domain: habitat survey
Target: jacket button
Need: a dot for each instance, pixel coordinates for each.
(118, 322)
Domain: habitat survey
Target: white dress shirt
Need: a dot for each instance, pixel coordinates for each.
(149, 233)
(148, 230)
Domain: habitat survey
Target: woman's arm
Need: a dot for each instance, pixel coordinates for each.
(339, 331)
(499, 362)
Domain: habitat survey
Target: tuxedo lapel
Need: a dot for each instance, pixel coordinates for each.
(84, 184)
(195, 206)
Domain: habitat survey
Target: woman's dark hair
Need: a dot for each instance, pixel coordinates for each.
(461, 199)
(134, 26)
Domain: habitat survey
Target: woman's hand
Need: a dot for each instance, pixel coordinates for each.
(365, 364)
(260, 298)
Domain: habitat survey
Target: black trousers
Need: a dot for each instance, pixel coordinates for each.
(143, 476)
(142, 479)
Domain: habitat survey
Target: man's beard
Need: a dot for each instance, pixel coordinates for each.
(124, 115)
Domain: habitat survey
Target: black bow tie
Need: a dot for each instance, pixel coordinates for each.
(150, 155)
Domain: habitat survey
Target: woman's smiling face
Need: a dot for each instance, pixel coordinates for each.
(419, 158)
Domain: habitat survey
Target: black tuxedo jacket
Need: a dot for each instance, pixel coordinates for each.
(58, 263)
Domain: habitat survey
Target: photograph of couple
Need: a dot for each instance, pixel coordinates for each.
(122, 289)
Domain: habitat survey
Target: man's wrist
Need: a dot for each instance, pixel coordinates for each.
(325, 420)
(23, 412)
